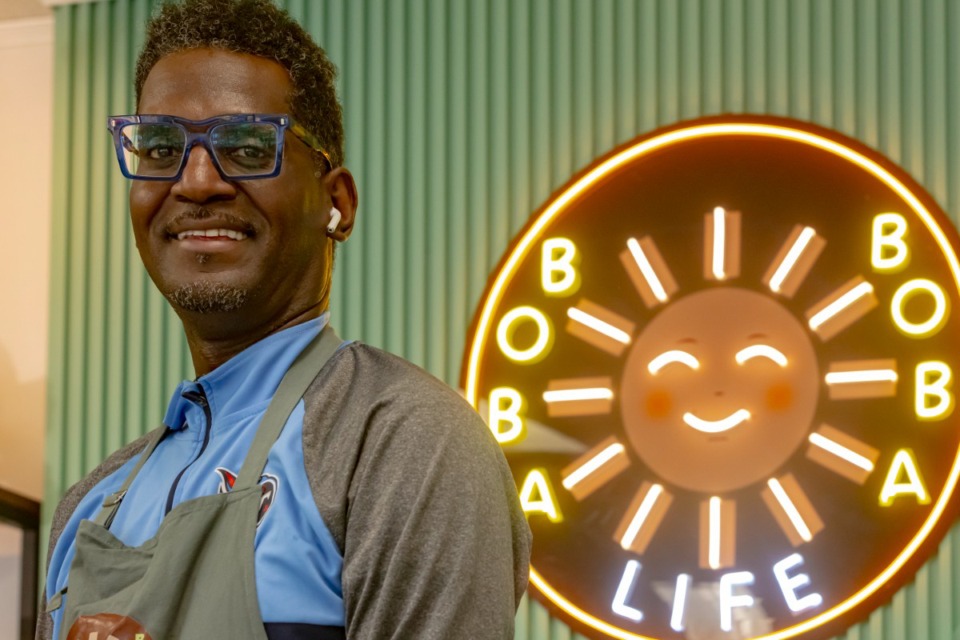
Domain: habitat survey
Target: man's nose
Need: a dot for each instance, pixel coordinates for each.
(200, 180)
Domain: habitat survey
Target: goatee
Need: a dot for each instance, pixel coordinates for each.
(208, 297)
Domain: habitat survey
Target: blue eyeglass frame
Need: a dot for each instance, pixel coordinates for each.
(198, 132)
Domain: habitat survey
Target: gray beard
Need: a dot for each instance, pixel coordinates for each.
(207, 297)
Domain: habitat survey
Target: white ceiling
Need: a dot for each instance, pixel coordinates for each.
(18, 9)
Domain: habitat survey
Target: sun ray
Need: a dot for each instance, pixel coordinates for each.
(595, 468)
(648, 271)
(718, 533)
(792, 509)
(721, 245)
(862, 379)
(642, 518)
(793, 262)
(842, 454)
(841, 308)
(579, 397)
(600, 327)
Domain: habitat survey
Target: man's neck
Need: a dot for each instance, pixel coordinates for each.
(215, 338)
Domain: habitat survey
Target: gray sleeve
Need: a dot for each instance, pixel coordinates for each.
(435, 545)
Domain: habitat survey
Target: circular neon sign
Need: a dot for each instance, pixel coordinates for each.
(721, 364)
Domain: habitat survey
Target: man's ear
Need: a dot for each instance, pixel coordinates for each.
(343, 195)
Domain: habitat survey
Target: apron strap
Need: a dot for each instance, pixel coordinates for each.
(112, 502)
(295, 382)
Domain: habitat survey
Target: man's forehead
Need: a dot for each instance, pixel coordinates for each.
(201, 83)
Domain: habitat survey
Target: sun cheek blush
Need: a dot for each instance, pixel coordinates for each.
(779, 396)
(659, 404)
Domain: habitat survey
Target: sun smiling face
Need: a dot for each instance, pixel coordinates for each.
(719, 389)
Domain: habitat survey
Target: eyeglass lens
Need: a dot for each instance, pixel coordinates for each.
(241, 148)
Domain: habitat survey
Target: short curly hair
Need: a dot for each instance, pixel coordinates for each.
(260, 28)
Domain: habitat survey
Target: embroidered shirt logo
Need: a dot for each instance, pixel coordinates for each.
(269, 485)
(107, 626)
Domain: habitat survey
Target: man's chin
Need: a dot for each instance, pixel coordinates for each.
(207, 297)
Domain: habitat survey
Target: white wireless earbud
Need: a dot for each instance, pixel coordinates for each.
(335, 216)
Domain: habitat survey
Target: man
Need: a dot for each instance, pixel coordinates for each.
(300, 487)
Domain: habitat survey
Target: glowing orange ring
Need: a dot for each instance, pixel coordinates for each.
(578, 188)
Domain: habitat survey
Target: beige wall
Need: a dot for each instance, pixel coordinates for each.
(26, 83)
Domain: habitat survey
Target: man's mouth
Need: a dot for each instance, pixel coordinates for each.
(716, 426)
(230, 234)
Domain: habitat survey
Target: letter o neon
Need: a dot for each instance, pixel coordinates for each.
(906, 292)
(507, 328)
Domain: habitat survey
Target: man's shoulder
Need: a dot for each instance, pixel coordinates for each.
(381, 378)
(78, 491)
(373, 417)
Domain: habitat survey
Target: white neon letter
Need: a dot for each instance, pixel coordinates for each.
(558, 267)
(904, 464)
(888, 251)
(790, 584)
(507, 328)
(728, 601)
(625, 590)
(679, 602)
(933, 381)
(536, 496)
(907, 291)
(505, 406)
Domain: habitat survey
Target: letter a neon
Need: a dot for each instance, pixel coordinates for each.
(536, 496)
(904, 465)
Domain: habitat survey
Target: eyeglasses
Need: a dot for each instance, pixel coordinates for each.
(242, 146)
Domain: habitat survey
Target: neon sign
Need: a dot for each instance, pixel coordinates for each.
(721, 364)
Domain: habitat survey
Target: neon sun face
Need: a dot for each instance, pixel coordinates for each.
(730, 398)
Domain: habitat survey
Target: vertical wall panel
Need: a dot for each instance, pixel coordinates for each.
(462, 118)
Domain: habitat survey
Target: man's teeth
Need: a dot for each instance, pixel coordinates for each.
(212, 233)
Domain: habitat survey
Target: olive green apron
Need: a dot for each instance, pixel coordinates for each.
(194, 579)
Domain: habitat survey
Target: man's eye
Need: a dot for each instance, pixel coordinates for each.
(249, 152)
(672, 356)
(161, 152)
(761, 351)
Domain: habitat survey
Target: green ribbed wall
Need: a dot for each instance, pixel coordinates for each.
(462, 117)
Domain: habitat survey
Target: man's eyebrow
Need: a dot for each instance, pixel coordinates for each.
(756, 335)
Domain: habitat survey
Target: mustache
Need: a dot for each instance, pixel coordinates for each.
(204, 213)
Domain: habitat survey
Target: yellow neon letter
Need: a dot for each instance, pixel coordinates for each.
(559, 275)
(904, 464)
(506, 404)
(508, 327)
(933, 382)
(888, 251)
(936, 320)
(536, 496)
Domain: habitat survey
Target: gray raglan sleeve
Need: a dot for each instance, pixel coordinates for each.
(435, 544)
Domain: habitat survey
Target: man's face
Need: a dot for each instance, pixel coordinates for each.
(210, 245)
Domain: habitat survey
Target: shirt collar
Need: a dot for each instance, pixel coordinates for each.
(248, 378)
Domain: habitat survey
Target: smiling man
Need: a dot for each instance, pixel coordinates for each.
(300, 487)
